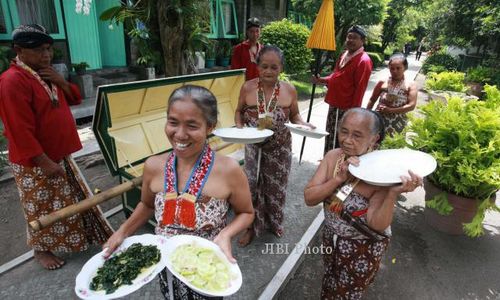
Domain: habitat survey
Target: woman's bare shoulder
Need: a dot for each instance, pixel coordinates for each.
(155, 162)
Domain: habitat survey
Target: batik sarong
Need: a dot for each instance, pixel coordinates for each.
(41, 195)
(332, 119)
(211, 217)
(351, 266)
(394, 97)
(268, 188)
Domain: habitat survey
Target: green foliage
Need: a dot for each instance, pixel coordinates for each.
(373, 47)
(210, 50)
(6, 54)
(440, 61)
(479, 74)
(224, 48)
(440, 204)
(464, 138)
(492, 96)
(291, 38)
(377, 58)
(80, 67)
(396, 141)
(446, 81)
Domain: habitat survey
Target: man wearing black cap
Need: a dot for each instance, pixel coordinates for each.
(245, 53)
(41, 134)
(347, 84)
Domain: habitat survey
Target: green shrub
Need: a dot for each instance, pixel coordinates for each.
(6, 54)
(442, 60)
(224, 48)
(479, 74)
(463, 138)
(373, 47)
(291, 38)
(446, 81)
(492, 95)
(377, 58)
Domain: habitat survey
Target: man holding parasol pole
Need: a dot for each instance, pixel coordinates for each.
(347, 84)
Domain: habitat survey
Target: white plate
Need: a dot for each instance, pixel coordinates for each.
(236, 277)
(383, 167)
(245, 135)
(306, 131)
(89, 270)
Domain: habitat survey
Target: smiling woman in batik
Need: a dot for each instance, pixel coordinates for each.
(396, 96)
(267, 102)
(358, 214)
(190, 189)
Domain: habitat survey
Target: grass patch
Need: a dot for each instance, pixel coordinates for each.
(302, 83)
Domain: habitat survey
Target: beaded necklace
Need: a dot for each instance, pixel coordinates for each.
(266, 113)
(51, 92)
(179, 208)
(342, 192)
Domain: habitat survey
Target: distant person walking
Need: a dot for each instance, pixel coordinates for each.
(245, 53)
(396, 96)
(420, 49)
(407, 49)
(347, 84)
(41, 134)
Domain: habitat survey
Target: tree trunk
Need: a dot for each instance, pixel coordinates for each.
(173, 40)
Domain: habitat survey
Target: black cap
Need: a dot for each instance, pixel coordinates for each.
(31, 36)
(253, 22)
(357, 29)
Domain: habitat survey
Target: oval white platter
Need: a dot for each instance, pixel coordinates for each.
(236, 276)
(245, 135)
(306, 131)
(384, 167)
(89, 270)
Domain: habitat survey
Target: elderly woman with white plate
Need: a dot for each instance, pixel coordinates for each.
(268, 103)
(357, 213)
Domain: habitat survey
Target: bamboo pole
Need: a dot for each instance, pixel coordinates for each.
(84, 205)
(90, 202)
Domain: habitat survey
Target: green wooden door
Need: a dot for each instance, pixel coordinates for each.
(83, 35)
(112, 40)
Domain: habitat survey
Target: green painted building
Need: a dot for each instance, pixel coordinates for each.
(80, 37)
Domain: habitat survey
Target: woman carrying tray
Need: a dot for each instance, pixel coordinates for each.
(357, 213)
(267, 102)
(396, 96)
(190, 189)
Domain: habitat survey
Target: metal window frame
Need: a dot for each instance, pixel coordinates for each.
(235, 19)
(12, 20)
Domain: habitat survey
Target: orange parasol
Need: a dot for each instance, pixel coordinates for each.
(322, 38)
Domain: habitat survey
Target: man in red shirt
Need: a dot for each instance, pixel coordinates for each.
(245, 53)
(347, 84)
(41, 134)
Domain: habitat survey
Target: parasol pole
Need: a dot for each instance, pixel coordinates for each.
(322, 37)
(315, 71)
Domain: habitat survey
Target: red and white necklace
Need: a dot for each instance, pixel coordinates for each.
(51, 92)
(266, 112)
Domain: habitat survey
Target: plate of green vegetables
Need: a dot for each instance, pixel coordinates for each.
(135, 263)
(202, 266)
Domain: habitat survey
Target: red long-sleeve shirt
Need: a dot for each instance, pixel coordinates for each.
(241, 59)
(347, 85)
(32, 125)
